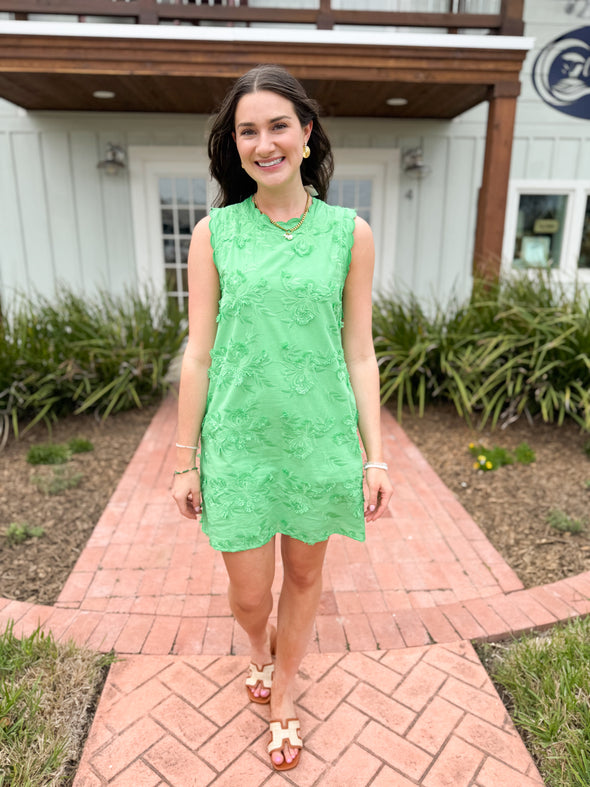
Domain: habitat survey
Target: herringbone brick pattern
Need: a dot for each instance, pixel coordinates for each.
(379, 703)
(421, 716)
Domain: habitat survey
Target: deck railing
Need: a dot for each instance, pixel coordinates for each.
(324, 16)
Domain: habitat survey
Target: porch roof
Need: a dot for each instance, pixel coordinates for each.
(162, 68)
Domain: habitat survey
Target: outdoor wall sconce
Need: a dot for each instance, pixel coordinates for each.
(114, 162)
(413, 164)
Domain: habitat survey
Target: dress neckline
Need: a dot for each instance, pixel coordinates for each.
(265, 221)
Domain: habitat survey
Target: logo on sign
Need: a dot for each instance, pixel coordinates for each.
(561, 74)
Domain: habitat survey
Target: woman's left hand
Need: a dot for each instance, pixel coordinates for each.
(380, 491)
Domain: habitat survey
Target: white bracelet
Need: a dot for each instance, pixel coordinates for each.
(194, 447)
(380, 465)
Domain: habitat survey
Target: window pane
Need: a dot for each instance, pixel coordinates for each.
(166, 193)
(584, 260)
(349, 193)
(184, 222)
(169, 251)
(170, 279)
(539, 230)
(184, 245)
(357, 194)
(182, 191)
(199, 191)
(167, 222)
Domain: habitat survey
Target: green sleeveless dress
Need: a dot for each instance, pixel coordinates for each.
(279, 446)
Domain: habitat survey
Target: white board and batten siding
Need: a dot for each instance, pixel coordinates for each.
(62, 220)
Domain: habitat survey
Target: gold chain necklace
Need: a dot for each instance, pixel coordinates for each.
(288, 233)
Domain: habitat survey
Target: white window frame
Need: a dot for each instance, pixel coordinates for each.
(577, 192)
(149, 163)
(146, 166)
(381, 166)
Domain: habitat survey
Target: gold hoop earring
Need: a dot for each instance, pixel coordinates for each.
(306, 151)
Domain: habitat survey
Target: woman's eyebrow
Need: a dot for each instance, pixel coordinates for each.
(272, 120)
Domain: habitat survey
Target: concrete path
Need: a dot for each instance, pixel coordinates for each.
(391, 693)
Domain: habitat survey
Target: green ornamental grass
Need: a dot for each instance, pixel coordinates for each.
(519, 346)
(79, 354)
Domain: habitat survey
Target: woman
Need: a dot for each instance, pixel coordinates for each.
(279, 360)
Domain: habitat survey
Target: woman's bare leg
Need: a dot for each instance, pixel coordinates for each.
(298, 603)
(251, 575)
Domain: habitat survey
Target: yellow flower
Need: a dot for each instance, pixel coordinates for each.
(471, 445)
(489, 465)
(481, 459)
(475, 466)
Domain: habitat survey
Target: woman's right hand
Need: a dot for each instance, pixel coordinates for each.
(186, 491)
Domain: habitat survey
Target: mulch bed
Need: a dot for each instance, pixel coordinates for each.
(37, 569)
(510, 504)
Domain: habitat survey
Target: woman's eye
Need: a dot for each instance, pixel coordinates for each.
(246, 132)
(279, 126)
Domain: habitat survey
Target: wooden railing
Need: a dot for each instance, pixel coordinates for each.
(151, 12)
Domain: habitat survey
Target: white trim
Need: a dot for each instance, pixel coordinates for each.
(266, 35)
(146, 165)
(382, 167)
(577, 192)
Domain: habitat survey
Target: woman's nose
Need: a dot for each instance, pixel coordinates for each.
(265, 144)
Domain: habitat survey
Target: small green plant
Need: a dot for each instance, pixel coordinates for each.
(80, 445)
(17, 532)
(48, 454)
(487, 459)
(58, 482)
(586, 448)
(559, 520)
(524, 454)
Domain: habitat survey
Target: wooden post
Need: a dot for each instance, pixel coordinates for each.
(493, 193)
(512, 12)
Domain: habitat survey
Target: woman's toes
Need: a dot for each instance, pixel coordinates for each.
(277, 758)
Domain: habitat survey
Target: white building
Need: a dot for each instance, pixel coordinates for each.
(74, 86)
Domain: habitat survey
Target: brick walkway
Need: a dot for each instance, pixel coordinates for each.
(391, 692)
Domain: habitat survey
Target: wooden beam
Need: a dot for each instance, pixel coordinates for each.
(493, 194)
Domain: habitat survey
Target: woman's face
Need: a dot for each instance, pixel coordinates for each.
(269, 138)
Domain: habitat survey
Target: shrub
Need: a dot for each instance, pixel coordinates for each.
(521, 346)
(78, 354)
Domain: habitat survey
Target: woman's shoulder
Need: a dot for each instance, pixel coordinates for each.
(336, 212)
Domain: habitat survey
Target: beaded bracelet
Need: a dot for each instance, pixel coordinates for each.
(188, 470)
(380, 465)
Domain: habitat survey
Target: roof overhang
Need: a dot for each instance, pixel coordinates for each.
(161, 68)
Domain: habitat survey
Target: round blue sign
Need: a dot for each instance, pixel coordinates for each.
(561, 74)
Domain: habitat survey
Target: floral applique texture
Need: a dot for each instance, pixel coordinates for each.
(279, 445)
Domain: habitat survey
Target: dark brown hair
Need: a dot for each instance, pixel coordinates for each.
(236, 185)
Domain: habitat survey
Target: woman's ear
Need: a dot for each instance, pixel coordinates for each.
(307, 131)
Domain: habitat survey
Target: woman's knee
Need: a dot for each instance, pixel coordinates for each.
(250, 599)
